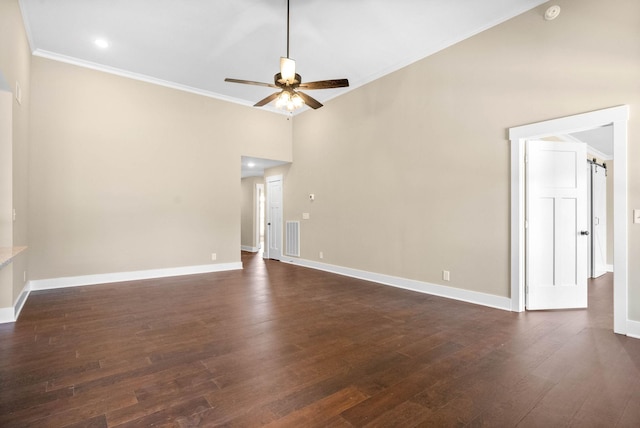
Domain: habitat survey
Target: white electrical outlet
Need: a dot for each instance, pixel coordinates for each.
(321, 255)
(24, 276)
(214, 256)
(305, 216)
(636, 216)
(446, 275)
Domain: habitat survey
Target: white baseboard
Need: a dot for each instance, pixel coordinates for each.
(609, 268)
(77, 281)
(249, 249)
(11, 314)
(6, 315)
(633, 329)
(22, 299)
(475, 297)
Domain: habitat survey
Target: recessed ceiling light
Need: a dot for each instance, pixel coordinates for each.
(101, 43)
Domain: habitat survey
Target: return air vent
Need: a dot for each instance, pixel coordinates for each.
(293, 238)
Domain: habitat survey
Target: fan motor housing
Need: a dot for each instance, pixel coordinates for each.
(281, 82)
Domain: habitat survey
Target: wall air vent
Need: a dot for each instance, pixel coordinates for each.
(292, 236)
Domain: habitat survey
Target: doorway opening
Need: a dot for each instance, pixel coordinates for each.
(617, 117)
(253, 232)
(260, 200)
(597, 182)
(273, 249)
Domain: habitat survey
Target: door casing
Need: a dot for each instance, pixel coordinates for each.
(618, 117)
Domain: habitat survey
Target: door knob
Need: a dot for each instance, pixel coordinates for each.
(584, 232)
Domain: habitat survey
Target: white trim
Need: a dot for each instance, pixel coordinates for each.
(633, 329)
(618, 116)
(77, 281)
(11, 314)
(474, 297)
(22, 299)
(609, 268)
(6, 315)
(249, 249)
(144, 78)
(258, 194)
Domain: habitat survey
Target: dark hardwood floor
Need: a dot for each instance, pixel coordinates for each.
(282, 345)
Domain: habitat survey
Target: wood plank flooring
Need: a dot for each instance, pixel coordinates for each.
(284, 346)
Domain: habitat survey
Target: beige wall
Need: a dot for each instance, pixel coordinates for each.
(128, 176)
(249, 209)
(15, 63)
(411, 172)
(6, 167)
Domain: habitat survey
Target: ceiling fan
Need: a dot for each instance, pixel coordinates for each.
(289, 82)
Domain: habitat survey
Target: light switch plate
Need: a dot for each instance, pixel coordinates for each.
(636, 216)
(18, 93)
(305, 216)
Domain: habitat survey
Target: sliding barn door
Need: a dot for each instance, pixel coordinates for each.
(598, 220)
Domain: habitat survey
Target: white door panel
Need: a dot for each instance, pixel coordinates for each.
(274, 217)
(556, 215)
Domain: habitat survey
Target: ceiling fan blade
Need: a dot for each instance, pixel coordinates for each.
(311, 102)
(267, 100)
(249, 82)
(326, 84)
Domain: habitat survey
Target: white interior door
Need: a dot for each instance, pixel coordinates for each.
(598, 220)
(556, 237)
(274, 217)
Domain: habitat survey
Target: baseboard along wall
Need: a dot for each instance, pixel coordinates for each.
(77, 281)
(474, 297)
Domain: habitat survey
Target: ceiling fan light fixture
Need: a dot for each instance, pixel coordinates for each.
(288, 70)
(297, 101)
(283, 99)
(289, 100)
(288, 82)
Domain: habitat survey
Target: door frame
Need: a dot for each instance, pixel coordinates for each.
(259, 193)
(618, 117)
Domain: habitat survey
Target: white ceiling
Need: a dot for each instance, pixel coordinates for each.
(600, 140)
(194, 44)
(254, 167)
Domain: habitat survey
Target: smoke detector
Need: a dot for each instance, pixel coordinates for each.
(552, 13)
